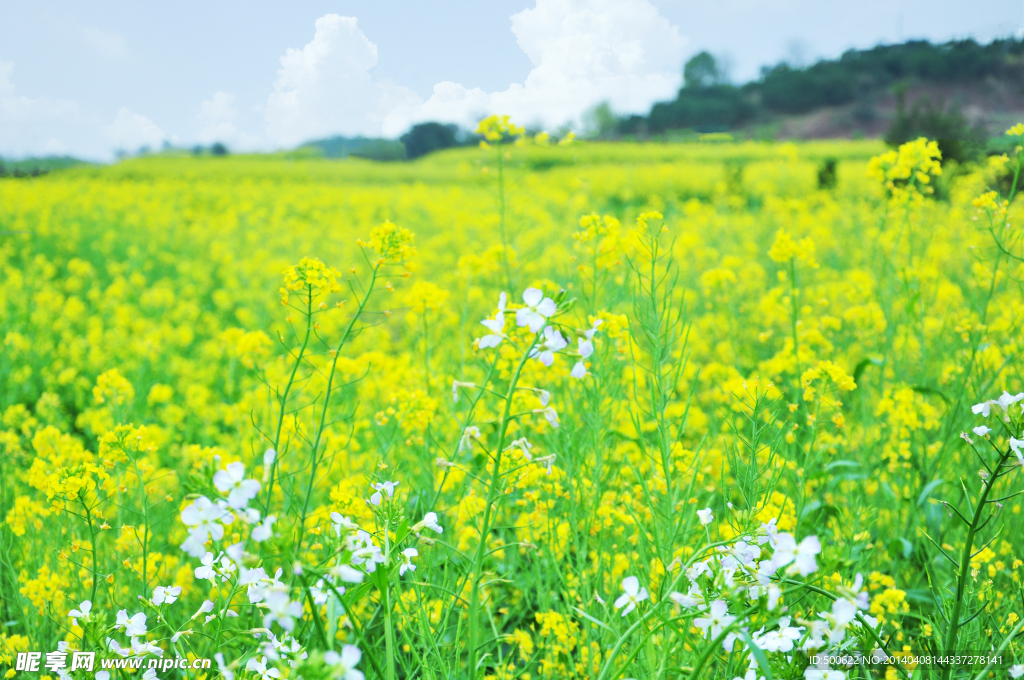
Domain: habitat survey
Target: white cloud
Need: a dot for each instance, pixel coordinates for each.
(218, 118)
(29, 125)
(130, 131)
(108, 44)
(41, 125)
(583, 52)
(325, 88)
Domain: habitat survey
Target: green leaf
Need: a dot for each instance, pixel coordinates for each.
(590, 618)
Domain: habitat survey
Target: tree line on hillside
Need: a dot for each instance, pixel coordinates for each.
(707, 102)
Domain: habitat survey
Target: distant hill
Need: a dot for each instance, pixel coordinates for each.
(970, 91)
(359, 147)
(33, 167)
(420, 140)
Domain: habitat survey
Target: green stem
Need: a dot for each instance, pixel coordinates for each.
(389, 628)
(965, 563)
(501, 215)
(1002, 648)
(284, 400)
(794, 319)
(327, 401)
(492, 497)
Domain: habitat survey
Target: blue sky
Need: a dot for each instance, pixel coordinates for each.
(90, 78)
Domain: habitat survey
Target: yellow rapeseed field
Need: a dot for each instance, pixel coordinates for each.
(533, 410)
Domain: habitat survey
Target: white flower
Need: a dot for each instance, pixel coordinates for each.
(232, 482)
(116, 647)
(585, 348)
(549, 414)
(285, 648)
(843, 614)
(817, 630)
(429, 521)
(496, 326)
(249, 515)
(265, 530)
(407, 564)
(282, 609)
(538, 308)
(142, 648)
(768, 533)
(1007, 399)
(207, 520)
(745, 553)
(345, 662)
(225, 672)
(364, 552)
(456, 384)
(823, 674)
(696, 569)
(984, 408)
(261, 667)
(781, 640)
(468, 435)
(341, 522)
(1017, 671)
(693, 598)
(205, 608)
(524, 445)
(166, 594)
(227, 567)
(150, 674)
(544, 396)
(717, 620)
(319, 593)
(552, 342)
(347, 573)
(208, 571)
(787, 550)
(386, 487)
(632, 596)
(81, 613)
(134, 626)
(706, 516)
(546, 461)
(269, 456)
(981, 430)
(855, 594)
(1017, 446)
(103, 675)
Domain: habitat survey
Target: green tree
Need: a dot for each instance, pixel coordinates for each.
(427, 137)
(701, 71)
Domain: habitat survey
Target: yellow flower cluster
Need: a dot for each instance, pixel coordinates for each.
(912, 165)
(785, 249)
(496, 128)
(828, 369)
(312, 277)
(393, 245)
